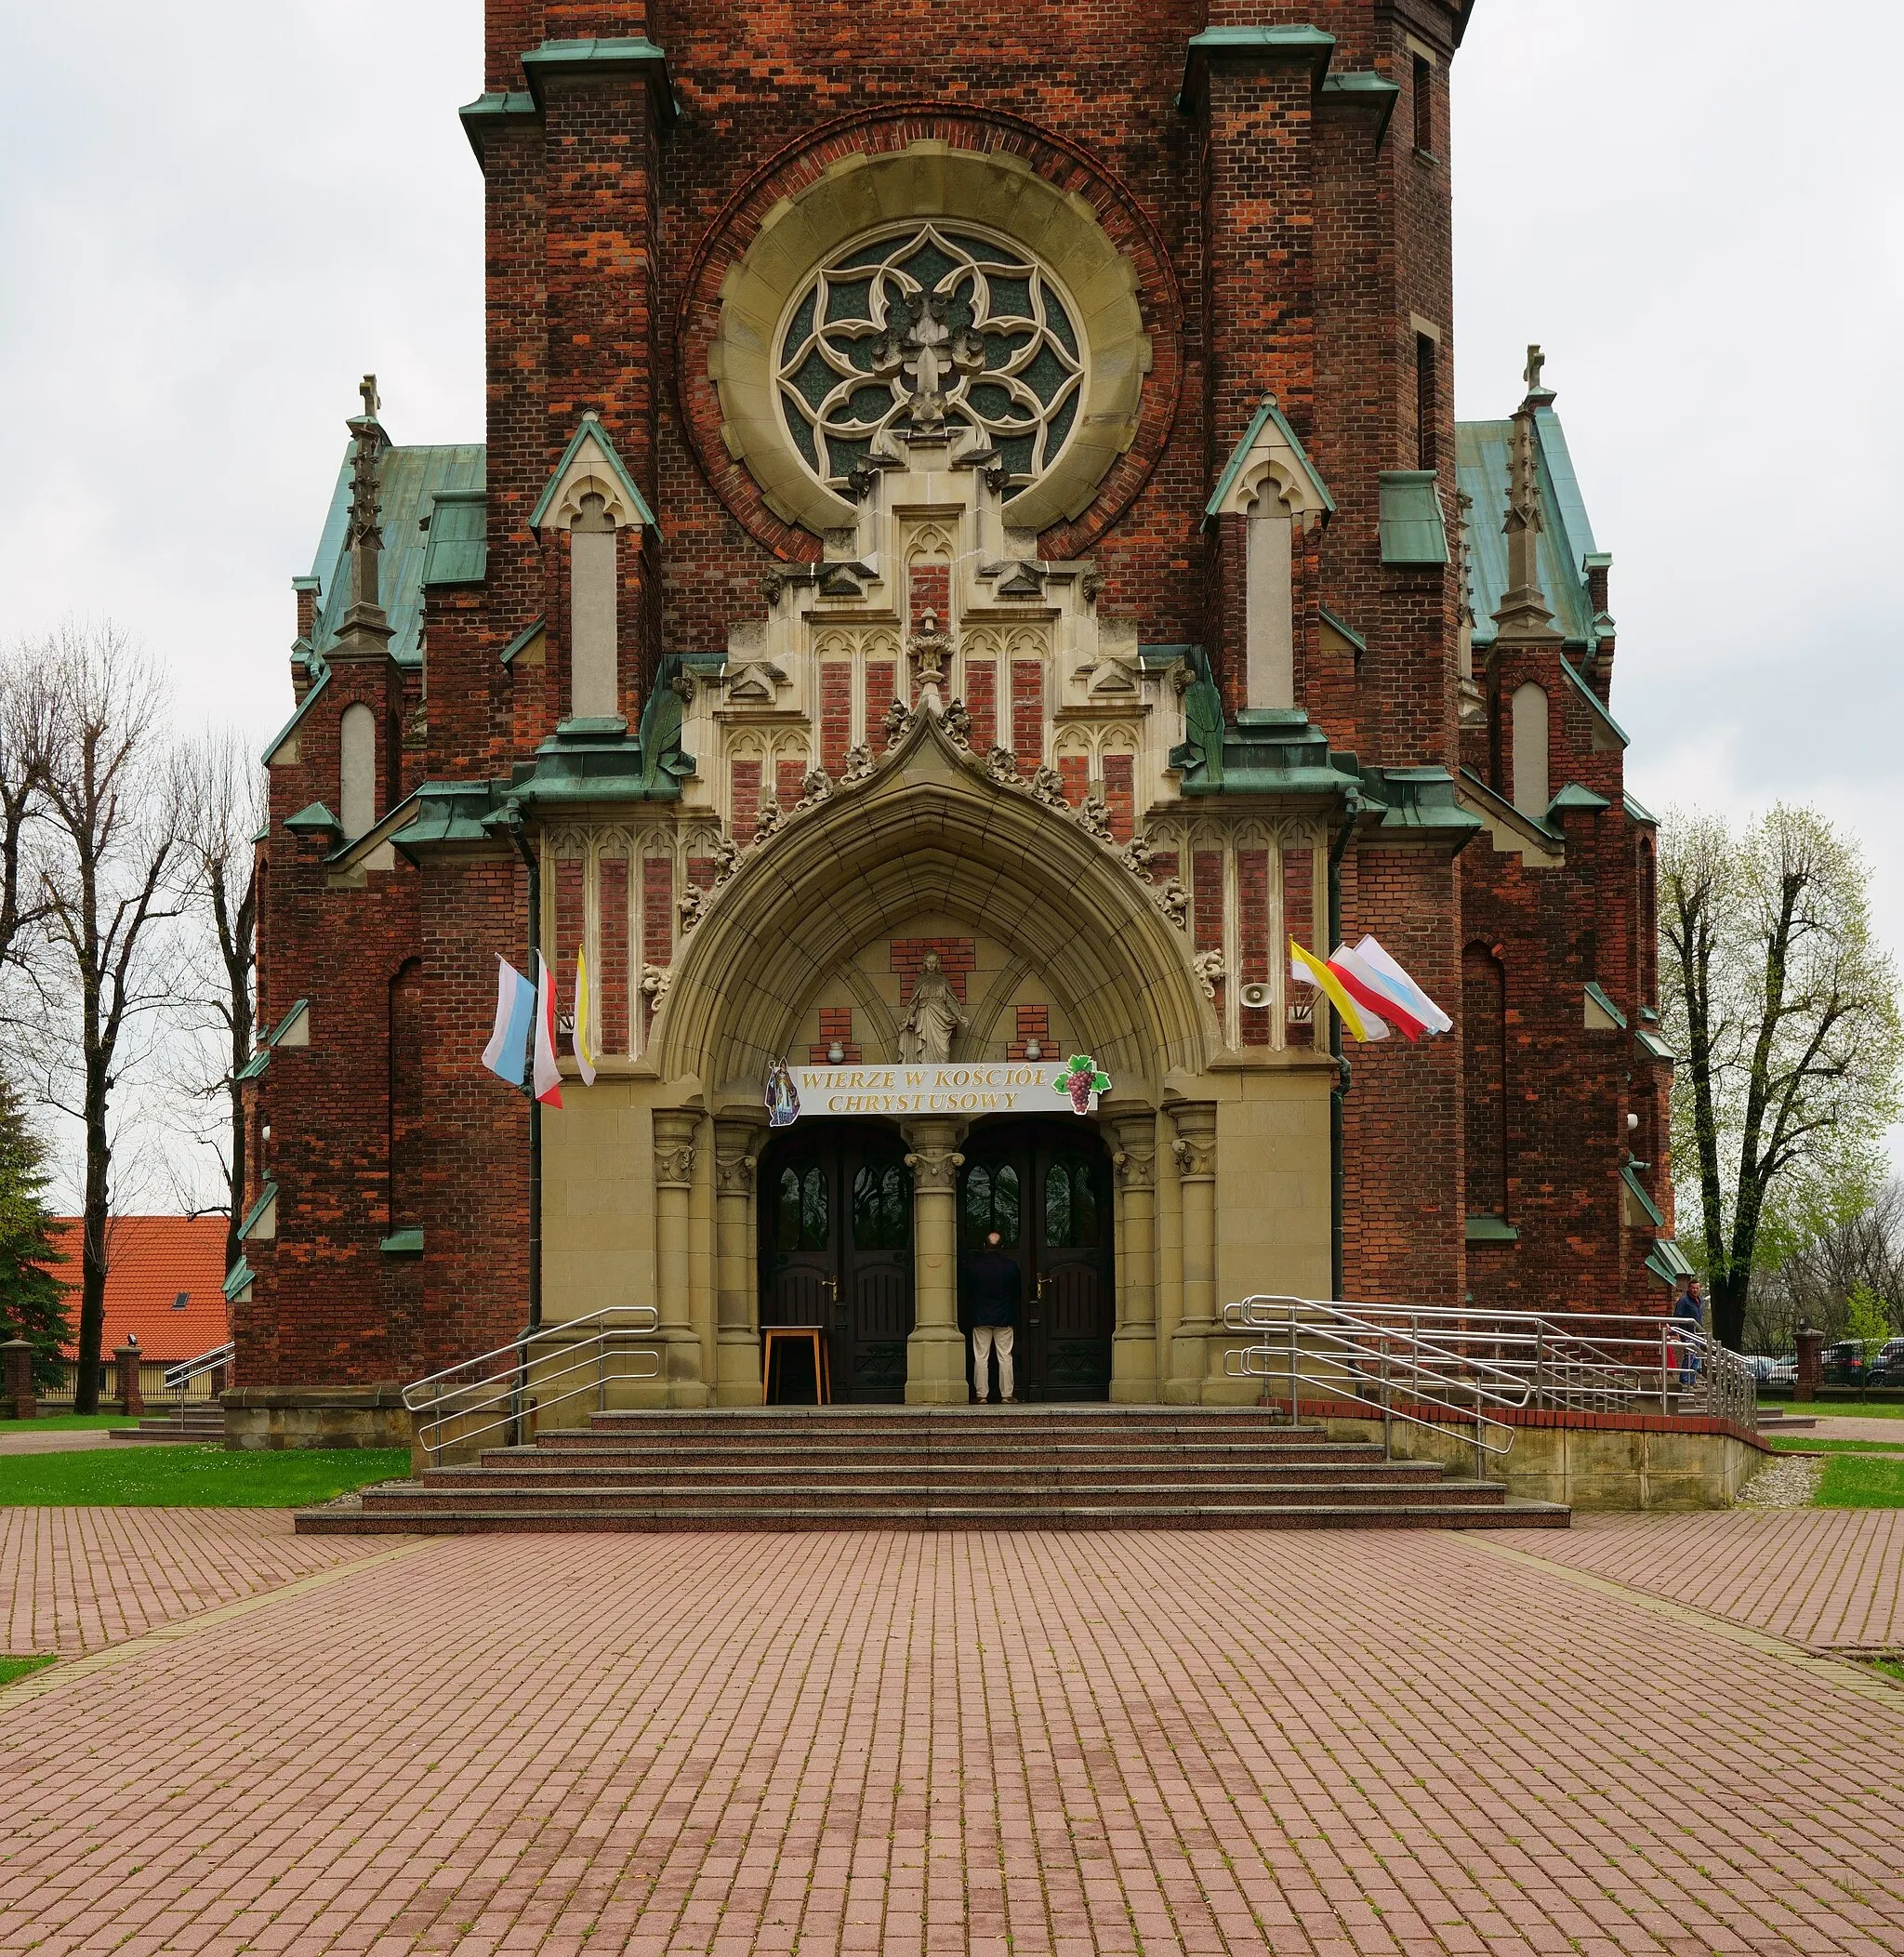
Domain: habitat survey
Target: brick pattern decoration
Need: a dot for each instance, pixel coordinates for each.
(1030, 1023)
(957, 957)
(1254, 932)
(612, 983)
(744, 776)
(1120, 794)
(836, 1022)
(1302, 1022)
(982, 703)
(1028, 713)
(836, 715)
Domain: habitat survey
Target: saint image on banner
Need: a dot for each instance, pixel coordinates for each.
(783, 1097)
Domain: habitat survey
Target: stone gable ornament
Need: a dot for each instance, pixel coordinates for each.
(959, 725)
(1001, 765)
(815, 785)
(1083, 1082)
(1136, 854)
(1095, 817)
(691, 908)
(898, 718)
(1211, 971)
(655, 980)
(858, 767)
(769, 818)
(726, 858)
(1172, 901)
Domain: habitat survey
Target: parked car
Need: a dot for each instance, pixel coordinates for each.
(1843, 1365)
(1887, 1369)
(1784, 1372)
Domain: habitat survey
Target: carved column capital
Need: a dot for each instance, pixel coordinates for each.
(675, 1132)
(936, 1168)
(1194, 1149)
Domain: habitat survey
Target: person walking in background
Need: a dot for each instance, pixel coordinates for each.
(1689, 1311)
(992, 1285)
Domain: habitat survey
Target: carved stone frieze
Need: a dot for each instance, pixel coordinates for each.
(1136, 1167)
(733, 1174)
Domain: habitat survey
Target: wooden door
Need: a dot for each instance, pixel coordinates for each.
(1046, 1190)
(836, 1250)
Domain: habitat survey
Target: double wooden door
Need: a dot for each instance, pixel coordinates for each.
(1045, 1189)
(836, 1249)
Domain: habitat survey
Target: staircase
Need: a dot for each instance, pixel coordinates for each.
(916, 1467)
(204, 1421)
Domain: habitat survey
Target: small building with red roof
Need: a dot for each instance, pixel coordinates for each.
(164, 1281)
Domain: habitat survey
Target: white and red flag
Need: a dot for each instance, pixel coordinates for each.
(547, 1073)
(1369, 991)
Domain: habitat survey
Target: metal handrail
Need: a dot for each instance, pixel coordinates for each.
(1460, 1362)
(178, 1378)
(516, 1379)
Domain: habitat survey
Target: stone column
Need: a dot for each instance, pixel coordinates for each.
(675, 1133)
(1194, 1151)
(16, 1400)
(1810, 1372)
(126, 1358)
(935, 1352)
(1133, 1352)
(738, 1293)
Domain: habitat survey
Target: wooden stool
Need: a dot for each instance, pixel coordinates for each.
(773, 1339)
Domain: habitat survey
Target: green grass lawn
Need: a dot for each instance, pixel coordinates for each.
(190, 1477)
(12, 1667)
(1861, 1481)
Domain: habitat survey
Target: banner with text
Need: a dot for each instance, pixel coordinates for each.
(921, 1088)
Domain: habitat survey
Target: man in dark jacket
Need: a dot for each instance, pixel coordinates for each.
(991, 1299)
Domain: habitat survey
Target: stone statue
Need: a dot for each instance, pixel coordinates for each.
(934, 1017)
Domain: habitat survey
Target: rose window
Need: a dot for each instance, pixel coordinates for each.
(930, 331)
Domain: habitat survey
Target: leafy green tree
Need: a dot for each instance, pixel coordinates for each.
(1868, 1325)
(32, 1300)
(1783, 1012)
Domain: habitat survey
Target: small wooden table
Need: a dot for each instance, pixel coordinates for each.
(775, 1339)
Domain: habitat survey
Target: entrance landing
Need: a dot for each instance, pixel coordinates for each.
(799, 1468)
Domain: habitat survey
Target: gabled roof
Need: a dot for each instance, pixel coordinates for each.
(590, 434)
(1483, 451)
(409, 480)
(1270, 436)
(150, 1260)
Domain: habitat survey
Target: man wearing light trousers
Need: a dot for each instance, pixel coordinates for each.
(991, 1296)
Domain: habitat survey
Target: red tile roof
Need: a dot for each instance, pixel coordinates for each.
(150, 1260)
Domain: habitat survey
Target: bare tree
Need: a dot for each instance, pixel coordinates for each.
(220, 799)
(109, 801)
(1811, 1285)
(1785, 1013)
(26, 744)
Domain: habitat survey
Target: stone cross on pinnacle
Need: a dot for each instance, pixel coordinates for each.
(1536, 361)
(367, 388)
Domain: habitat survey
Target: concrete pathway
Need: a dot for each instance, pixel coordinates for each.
(1842, 1427)
(60, 1440)
(1343, 1743)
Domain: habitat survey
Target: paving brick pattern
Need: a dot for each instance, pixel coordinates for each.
(1828, 1578)
(1023, 1743)
(75, 1580)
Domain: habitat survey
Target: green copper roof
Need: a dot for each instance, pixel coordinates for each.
(409, 480)
(521, 641)
(603, 57)
(458, 552)
(1667, 1261)
(1652, 1045)
(1630, 1176)
(314, 819)
(1491, 1230)
(236, 1279)
(1412, 529)
(290, 726)
(1636, 810)
(1482, 455)
(1292, 42)
(1374, 91)
(1605, 1004)
(1575, 797)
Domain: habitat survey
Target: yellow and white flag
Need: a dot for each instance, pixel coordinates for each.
(584, 1023)
(1361, 1023)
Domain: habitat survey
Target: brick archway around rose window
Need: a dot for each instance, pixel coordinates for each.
(877, 172)
(932, 849)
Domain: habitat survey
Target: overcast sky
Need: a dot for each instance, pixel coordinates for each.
(215, 217)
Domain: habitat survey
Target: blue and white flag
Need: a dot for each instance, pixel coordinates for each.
(506, 1054)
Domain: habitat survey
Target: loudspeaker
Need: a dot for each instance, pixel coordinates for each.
(1260, 996)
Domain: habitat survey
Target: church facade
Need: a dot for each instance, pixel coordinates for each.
(971, 555)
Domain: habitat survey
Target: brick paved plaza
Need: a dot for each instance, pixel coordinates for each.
(1023, 1743)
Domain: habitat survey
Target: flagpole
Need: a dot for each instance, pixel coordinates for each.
(532, 863)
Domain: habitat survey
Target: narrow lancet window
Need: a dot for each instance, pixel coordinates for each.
(592, 648)
(357, 771)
